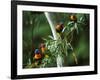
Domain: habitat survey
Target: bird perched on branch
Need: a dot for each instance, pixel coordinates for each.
(42, 47)
(59, 27)
(38, 54)
(73, 18)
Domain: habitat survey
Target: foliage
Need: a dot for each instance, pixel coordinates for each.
(72, 45)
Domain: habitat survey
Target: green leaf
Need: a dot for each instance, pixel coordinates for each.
(70, 24)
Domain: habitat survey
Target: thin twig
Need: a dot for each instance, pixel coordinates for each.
(71, 37)
(76, 61)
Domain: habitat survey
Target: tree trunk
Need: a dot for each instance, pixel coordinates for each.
(59, 59)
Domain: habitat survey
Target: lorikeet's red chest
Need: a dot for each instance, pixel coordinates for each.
(38, 56)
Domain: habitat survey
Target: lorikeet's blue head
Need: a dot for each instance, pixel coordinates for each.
(37, 51)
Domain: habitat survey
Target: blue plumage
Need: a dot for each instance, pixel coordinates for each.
(37, 51)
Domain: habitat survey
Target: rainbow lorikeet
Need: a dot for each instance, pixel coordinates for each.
(37, 57)
(42, 47)
(73, 18)
(59, 27)
(38, 54)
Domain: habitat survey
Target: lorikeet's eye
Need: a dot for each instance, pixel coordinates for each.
(73, 18)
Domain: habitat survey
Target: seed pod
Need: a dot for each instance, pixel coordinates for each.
(73, 18)
(46, 56)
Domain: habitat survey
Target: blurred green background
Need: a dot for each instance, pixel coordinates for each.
(36, 27)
